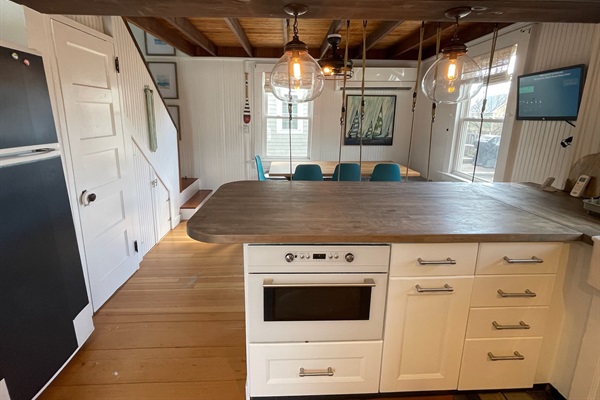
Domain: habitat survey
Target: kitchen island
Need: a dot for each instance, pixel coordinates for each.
(478, 293)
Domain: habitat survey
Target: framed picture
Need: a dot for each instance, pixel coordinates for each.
(174, 112)
(165, 76)
(378, 125)
(156, 47)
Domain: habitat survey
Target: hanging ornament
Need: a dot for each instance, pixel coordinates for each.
(246, 104)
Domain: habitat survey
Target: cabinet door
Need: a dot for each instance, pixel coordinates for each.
(424, 333)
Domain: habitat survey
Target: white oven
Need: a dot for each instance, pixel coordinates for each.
(309, 293)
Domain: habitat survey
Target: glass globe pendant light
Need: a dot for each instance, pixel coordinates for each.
(297, 77)
(454, 77)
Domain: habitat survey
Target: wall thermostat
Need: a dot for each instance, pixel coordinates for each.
(580, 186)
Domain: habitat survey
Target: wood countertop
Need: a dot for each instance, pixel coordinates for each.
(384, 212)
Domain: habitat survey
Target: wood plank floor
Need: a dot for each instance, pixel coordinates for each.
(174, 331)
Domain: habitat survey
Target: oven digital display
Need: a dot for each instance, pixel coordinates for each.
(318, 256)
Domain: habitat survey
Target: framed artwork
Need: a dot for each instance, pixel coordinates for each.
(165, 76)
(157, 47)
(174, 112)
(378, 125)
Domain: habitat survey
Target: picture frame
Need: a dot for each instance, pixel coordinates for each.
(174, 112)
(157, 47)
(378, 124)
(165, 77)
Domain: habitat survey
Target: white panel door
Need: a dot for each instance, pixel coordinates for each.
(424, 333)
(91, 103)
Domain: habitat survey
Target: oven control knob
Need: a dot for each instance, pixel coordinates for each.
(289, 257)
(349, 257)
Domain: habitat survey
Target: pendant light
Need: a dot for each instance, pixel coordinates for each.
(454, 77)
(296, 78)
(334, 65)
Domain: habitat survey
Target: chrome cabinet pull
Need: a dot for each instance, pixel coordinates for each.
(522, 325)
(268, 283)
(527, 293)
(447, 261)
(517, 357)
(327, 372)
(446, 288)
(532, 260)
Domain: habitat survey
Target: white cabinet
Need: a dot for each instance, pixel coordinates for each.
(424, 333)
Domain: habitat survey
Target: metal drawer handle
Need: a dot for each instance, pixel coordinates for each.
(303, 372)
(532, 260)
(517, 356)
(268, 283)
(447, 261)
(527, 293)
(446, 288)
(522, 325)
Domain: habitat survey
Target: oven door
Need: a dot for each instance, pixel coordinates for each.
(315, 307)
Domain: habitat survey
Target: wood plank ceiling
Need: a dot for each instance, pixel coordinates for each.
(260, 28)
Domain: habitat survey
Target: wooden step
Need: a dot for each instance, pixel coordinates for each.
(185, 183)
(196, 199)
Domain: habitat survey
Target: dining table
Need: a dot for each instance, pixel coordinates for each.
(282, 168)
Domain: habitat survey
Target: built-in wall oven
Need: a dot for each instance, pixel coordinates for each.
(308, 293)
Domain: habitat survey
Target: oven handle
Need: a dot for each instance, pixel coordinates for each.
(368, 282)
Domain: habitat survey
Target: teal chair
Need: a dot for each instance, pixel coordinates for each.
(347, 172)
(259, 168)
(308, 172)
(386, 173)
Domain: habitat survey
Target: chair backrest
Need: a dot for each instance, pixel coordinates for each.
(259, 168)
(386, 172)
(347, 172)
(308, 172)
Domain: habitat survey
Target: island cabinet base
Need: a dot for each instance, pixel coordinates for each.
(278, 369)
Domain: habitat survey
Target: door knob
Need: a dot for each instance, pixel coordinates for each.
(87, 198)
(91, 197)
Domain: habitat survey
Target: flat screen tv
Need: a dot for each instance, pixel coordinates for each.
(552, 95)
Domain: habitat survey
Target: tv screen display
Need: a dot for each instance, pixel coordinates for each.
(550, 95)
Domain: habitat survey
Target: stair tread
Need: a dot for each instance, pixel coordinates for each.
(184, 183)
(196, 199)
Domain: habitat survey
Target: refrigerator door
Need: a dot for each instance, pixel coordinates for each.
(25, 107)
(42, 288)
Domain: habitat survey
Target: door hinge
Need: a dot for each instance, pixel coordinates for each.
(135, 246)
(117, 67)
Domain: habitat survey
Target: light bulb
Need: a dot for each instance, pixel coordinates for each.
(451, 74)
(297, 71)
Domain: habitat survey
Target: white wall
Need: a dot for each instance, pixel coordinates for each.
(12, 23)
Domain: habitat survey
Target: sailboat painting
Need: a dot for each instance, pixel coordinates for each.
(377, 127)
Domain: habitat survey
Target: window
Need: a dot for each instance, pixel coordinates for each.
(276, 135)
(465, 146)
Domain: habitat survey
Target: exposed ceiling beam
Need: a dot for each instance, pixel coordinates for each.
(474, 31)
(334, 27)
(286, 27)
(154, 27)
(192, 33)
(413, 40)
(382, 31)
(238, 31)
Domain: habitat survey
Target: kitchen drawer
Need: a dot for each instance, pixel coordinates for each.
(434, 259)
(479, 372)
(525, 258)
(511, 322)
(275, 369)
(485, 290)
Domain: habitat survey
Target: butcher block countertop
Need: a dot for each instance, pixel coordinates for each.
(389, 212)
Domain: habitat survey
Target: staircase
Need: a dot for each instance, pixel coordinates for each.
(195, 197)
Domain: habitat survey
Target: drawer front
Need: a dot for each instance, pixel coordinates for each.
(521, 258)
(500, 322)
(434, 259)
(329, 368)
(478, 371)
(518, 290)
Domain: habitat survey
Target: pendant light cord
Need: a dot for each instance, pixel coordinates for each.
(343, 114)
(483, 104)
(414, 96)
(434, 104)
(362, 90)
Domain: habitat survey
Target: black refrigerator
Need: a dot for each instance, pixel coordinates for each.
(42, 287)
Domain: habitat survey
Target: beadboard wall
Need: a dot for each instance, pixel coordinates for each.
(91, 21)
(538, 152)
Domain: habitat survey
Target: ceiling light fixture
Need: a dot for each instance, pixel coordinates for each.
(297, 77)
(333, 66)
(454, 77)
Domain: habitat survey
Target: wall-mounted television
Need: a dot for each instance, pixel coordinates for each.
(552, 95)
